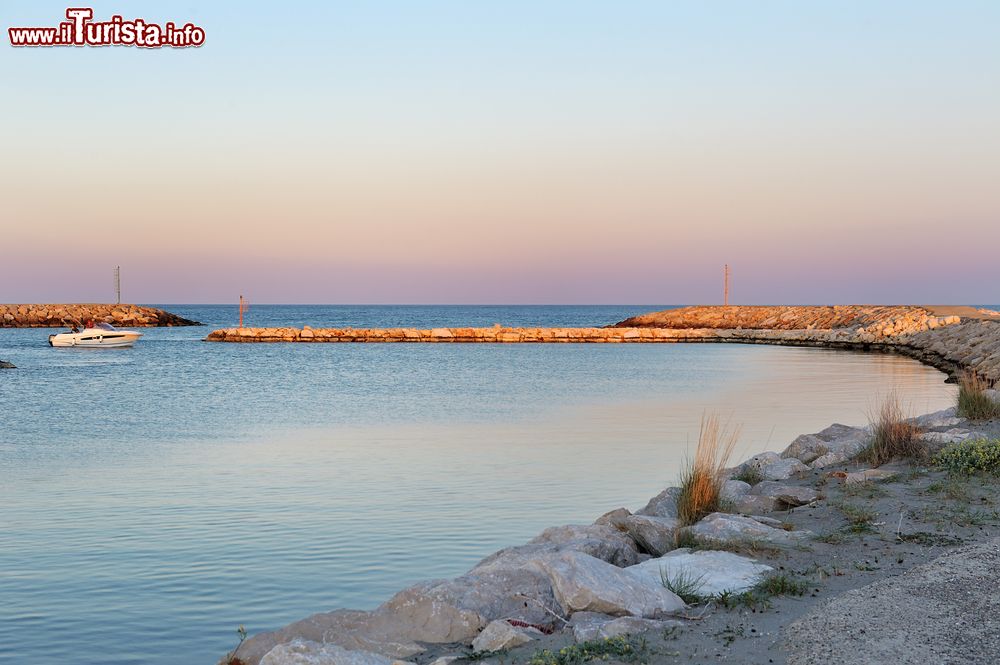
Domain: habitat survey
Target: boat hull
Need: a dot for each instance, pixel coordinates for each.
(96, 339)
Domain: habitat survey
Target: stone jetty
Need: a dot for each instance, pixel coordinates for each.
(949, 338)
(58, 316)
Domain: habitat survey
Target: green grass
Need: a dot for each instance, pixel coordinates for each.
(953, 487)
(775, 584)
(969, 457)
(619, 648)
(866, 490)
(859, 518)
(685, 585)
(973, 402)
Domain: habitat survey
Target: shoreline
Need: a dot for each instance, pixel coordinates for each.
(499, 605)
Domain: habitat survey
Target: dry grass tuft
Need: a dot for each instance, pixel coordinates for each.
(701, 480)
(973, 402)
(892, 436)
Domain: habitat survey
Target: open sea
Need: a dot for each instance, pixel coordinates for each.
(152, 499)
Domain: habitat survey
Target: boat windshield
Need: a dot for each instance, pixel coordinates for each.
(105, 326)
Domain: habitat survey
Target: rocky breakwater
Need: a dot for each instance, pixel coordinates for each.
(57, 316)
(496, 335)
(952, 339)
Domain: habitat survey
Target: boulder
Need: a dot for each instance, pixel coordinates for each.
(945, 418)
(602, 541)
(304, 652)
(456, 610)
(590, 626)
(500, 635)
(772, 466)
(752, 504)
(953, 435)
(350, 629)
(734, 490)
(835, 442)
(615, 518)
(663, 504)
(787, 495)
(655, 535)
(737, 530)
(583, 583)
(714, 571)
(6, 365)
(869, 475)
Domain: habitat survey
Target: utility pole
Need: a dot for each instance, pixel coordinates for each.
(725, 289)
(118, 285)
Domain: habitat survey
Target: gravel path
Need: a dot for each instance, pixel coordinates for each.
(943, 611)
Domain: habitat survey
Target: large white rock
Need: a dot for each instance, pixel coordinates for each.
(953, 435)
(738, 530)
(714, 571)
(584, 584)
(305, 652)
(655, 535)
(590, 626)
(772, 466)
(500, 635)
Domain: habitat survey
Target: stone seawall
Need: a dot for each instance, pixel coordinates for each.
(951, 342)
(58, 316)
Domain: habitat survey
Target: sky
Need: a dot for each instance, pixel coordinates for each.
(508, 152)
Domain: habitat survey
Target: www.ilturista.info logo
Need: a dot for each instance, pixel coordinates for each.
(81, 30)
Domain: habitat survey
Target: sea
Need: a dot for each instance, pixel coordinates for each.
(154, 499)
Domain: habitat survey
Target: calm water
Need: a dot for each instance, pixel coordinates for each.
(155, 498)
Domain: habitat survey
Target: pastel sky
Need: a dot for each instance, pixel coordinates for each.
(508, 152)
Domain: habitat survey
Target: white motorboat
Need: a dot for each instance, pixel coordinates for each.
(104, 335)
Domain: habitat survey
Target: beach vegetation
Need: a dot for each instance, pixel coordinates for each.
(973, 401)
(685, 585)
(970, 456)
(620, 648)
(892, 435)
(702, 478)
(859, 518)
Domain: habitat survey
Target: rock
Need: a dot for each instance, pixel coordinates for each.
(590, 626)
(615, 518)
(350, 629)
(787, 495)
(445, 660)
(734, 490)
(737, 530)
(868, 475)
(6, 365)
(656, 535)
(751, 504)
(953, 435)
(456, 610)
(945, 418)
(771, 466)
(835, 441)
(304, 652)
(715, 571)
(602, 541)
(583, 583)
(663, 504)
(499, 635)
